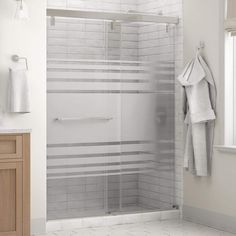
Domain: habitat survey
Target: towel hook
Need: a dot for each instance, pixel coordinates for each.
(201, 45)
(16, 58)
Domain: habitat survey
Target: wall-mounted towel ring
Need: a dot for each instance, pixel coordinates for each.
(16, 58)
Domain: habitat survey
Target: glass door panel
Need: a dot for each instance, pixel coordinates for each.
(147, 117)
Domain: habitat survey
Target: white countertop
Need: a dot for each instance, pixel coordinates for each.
(5, 130)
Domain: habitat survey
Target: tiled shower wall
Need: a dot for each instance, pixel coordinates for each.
(100, 5)
(66, 40)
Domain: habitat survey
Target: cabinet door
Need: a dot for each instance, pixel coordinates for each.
(11, 199)
(10, 146)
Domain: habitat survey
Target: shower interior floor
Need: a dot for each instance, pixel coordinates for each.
(101, 212)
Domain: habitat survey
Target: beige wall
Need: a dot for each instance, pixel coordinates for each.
(231, 6)
(203, 20)
(28, 39)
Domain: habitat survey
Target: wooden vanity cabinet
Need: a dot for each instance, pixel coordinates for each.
(15, 184)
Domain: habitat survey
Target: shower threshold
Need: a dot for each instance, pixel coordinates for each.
(115, 218)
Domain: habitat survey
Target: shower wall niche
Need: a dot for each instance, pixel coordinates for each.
(111, 114)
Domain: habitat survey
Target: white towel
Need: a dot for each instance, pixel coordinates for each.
(18, 91)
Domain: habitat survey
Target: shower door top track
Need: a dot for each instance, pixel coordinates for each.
(112, 16)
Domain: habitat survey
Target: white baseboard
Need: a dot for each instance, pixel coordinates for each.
(209, 218)
(38, 226)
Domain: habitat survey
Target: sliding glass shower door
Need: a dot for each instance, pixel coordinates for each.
(147, 74)
(83, 119)
(110, 118)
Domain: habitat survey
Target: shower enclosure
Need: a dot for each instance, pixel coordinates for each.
(111, 113)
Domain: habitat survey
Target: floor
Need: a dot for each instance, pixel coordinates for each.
(157, 228)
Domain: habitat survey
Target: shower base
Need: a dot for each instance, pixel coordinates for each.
(116, 218)
(84, 213)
